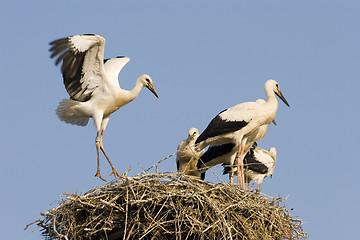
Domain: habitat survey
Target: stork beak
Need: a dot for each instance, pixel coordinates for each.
(279, 94)
(191, 137)
(152, 89)
(273, 121)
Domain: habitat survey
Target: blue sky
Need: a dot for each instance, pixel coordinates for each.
(203, 56)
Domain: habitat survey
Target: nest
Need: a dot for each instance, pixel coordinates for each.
(169, 206)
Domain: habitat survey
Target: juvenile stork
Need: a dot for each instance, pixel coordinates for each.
(92, 84)
(259, 164)
(238, 123)
(187, 156)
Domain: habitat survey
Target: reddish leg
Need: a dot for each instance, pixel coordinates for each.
(240, 167)
(103, 150)
(238, 163)
(247, 182)
(97, 144)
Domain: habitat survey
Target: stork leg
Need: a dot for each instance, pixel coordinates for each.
(107, 158)
(240, 167)
(240, 180)
(247, 183)
(231, 176)
(242, 172)
(98, 144)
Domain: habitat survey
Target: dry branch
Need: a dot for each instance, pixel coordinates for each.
(169, 206)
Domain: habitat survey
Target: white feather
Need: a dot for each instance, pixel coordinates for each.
(68, 112)
(113, 67)
(82, 43)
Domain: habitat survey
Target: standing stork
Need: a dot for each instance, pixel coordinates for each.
(259, 164)
(92, 84)
(187, 156)
(226, 153)
(238, 123)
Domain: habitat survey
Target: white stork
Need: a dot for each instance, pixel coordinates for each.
(259, 164)
(226, 153)
(187, 156)
(238, 123)
(92, 84)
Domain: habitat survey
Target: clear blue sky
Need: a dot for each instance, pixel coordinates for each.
(203, 57)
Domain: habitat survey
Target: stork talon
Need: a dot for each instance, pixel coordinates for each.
(116, 175)
(99, 175)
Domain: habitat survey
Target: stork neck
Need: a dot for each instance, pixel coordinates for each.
(271, 98)
(271, 106)
(133, 93)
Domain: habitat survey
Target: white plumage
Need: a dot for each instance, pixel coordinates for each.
(187, 156)
(240, 123)
(92, 84)
(226, 153)
(259, 164)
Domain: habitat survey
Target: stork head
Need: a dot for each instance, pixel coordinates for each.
(273, 151)
(272, 85)
(193, 134)
(147, 82)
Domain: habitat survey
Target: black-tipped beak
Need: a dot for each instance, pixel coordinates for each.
(273, 121)
(279, 94)
(152, 89)
(191, 137)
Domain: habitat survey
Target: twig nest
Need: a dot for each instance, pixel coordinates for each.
(169, 206)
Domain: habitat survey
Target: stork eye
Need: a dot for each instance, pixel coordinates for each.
(147, 80)
(277, 85)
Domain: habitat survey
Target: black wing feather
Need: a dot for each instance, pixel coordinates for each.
(71, 68)
(214, 152)
(177, 165)
(219, 126)
(252, 164)
(227, 168)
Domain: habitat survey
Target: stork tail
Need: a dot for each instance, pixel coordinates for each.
(67, 112)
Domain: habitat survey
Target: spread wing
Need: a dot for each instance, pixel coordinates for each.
(113, 67)
(82, 64)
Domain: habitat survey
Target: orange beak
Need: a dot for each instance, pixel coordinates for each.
(152, 89)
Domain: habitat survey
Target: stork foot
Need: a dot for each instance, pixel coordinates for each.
(115, 173)
(99, 175)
